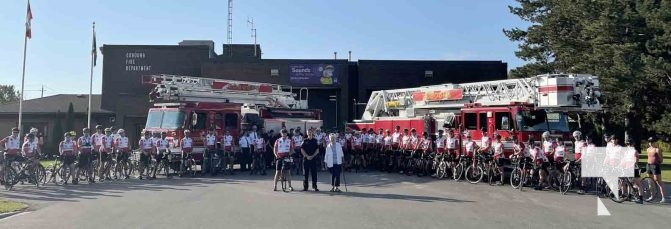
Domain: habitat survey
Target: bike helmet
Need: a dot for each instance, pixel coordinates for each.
(187, 131)
(652, 139)
(546, 134)
(99, 127)
(577, 134)
(86, 130)
(108, 130)
(15, 129)
(33, 130)
(67, 134)
(120, 131)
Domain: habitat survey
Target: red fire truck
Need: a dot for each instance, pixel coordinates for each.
(514, 107)
(202, 104)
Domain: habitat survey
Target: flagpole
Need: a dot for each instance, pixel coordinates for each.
(23, 79)
(91, 81)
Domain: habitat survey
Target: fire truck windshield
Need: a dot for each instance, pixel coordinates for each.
(536, 121)
(165, 119)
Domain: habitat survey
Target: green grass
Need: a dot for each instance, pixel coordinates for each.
(47, 163)
(10, 206)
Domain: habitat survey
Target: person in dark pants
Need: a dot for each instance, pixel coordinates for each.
(245, 148)
(333, 159)
(310, 150)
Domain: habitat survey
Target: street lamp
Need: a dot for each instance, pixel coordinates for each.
(334, 98)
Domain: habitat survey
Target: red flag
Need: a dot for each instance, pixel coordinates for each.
(29, 17)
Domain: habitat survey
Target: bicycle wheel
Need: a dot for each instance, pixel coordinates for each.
(617, 196)
(474, 174)
(42, 175)
(649, 189)
(566, 182)
(516, 178)
(442, 170)
(457, 172)
(11, 178)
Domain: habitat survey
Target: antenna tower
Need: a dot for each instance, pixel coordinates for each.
(229, 36)
(253, 32)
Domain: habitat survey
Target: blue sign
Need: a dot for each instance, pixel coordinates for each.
(313, 74)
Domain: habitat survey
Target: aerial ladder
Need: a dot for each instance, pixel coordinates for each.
(177, 88)
(558, 92)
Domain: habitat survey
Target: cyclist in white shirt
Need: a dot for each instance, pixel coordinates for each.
(68, 152)
(186, 143)
(227, 143)
(10, 145)
(147, 147)
(162, 150)
(258, 157)
(122, 146)
(282, 150)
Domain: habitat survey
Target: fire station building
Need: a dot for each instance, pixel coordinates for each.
(349, 82)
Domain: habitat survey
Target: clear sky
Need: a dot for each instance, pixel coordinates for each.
(59, 51)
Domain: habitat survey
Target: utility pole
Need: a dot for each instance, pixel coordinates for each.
(335, 55)
(42, 96)
(229, 36)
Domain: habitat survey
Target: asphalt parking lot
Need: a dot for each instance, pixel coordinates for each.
(373, 200)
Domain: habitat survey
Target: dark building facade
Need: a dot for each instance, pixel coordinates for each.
(124, 65)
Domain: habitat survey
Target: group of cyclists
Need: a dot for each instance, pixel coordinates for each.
(403, 151)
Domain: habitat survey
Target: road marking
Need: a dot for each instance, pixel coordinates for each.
(6, 218)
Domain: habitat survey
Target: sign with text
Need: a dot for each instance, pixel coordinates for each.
(313, 74)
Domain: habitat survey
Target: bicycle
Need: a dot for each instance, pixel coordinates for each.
(570, 177)
(475, 172)
(285, 166)
(626, 192)
(122, 165)
(16, 173)
(460, 167)
(493, 171)
(441, 166)
(649, 188)
(258, 164)
(187, 165)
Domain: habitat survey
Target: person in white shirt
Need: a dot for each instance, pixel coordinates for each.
(163, 152)
(282, 150)
(186, 143)
(122, 146)
(258, 158)
(245, 144)
(333, 158)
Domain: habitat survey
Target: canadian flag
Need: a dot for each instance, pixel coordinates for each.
(29, 16)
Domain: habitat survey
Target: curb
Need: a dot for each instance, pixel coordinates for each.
(8, 214)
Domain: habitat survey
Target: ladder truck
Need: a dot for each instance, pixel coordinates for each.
(524, 107)
(202, 104)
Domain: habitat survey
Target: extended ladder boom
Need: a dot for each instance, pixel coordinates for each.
(562, 92)
(175, 88)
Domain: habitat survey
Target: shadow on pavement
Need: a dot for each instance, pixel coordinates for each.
(390, 196)
(85, 191)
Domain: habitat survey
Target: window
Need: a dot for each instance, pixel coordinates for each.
(470, 121)
(274, 72)
(231, 121)
(154, 119)
(201, 119)
(503, 121)
(483, 119)
(536, 121)
(428, 74)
